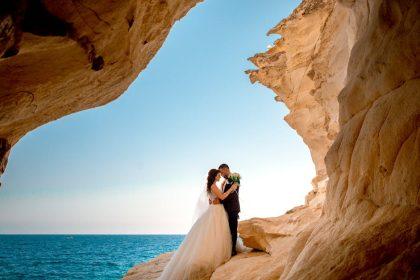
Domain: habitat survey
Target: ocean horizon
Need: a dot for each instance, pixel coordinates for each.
(79, 256)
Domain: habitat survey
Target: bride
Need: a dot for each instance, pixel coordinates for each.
(208, 243)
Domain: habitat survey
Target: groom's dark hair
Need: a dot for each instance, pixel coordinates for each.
(223, 165)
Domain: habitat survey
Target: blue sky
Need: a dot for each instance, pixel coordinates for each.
(138, 164)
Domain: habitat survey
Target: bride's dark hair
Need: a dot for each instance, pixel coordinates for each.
(211, 178)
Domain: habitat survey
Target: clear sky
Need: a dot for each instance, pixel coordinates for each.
(138, 164)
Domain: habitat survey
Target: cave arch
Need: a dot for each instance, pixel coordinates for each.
(359, 78)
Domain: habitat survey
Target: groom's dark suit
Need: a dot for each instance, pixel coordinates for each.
(232, 207)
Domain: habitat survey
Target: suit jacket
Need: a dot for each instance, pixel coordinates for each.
(231, 203)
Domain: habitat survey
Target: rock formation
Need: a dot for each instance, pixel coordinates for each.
(306, 69)
(348, 71)
(149, 270)
(370, 225)
(59, 57)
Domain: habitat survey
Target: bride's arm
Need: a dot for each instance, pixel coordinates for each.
(221, 195)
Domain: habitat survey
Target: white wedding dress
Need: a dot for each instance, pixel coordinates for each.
(206, 246)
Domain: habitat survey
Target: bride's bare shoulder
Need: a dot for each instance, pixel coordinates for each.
(215, 188)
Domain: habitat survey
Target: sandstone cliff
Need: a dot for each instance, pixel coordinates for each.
(367, 59)
(306, 69)
(349, 73)
(59, 57)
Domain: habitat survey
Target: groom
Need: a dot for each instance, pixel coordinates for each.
(231, 204)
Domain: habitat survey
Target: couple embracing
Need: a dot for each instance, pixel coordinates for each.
(211, 241)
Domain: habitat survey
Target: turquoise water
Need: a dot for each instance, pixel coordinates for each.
(78, 256)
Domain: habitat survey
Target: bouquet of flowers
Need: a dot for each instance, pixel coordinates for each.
(235, 177)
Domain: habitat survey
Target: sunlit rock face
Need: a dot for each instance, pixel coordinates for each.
(277, 239)
(267, 234)
(59, 57)
(306, 69)
(149, 270)
(370, 222)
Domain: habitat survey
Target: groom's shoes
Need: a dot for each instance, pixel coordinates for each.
(234, 253)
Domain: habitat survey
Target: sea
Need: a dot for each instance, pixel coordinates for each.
(78, 256)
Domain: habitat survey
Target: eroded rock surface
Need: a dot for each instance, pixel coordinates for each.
(276, 238)
(306, 69)
(370, 226)
(150, 270)
(348, 71)
(61, 57)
